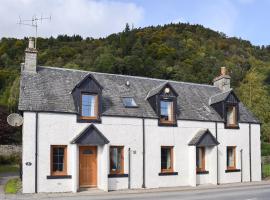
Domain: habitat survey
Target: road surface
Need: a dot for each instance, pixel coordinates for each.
(255, 192)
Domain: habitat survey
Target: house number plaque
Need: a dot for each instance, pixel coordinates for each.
(28, 163)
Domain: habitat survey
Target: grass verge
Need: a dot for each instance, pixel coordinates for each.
(9, 168)
(266, 170)
(12, 186)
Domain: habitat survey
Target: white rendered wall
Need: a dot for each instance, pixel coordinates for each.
(240, 139)
(60, 129)
(28, 152)
(125, 132)
(255, 152)
(185, 156)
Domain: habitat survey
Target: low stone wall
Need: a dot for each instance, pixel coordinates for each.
(7, 150)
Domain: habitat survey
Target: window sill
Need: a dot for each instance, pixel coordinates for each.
(173, 124)
(88, 120)
(117, 175)
(232, 170)
(168, 173)
(231, 126)
(59, 177)
(202, 172)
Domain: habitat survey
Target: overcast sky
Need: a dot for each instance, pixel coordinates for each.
(248, 19)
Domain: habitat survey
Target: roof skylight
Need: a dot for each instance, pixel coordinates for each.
(129, 102)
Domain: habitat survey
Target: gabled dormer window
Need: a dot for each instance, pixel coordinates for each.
(167, 114)
(89, 106)
(163, 100)
(87, 96)
(227, 106)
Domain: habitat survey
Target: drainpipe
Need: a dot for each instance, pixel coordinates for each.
(129, 167)
(143, 129)
(217, 154)
(241, 157)
(250, 173)
(36, 153)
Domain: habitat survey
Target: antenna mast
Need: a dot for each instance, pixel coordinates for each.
(33, 23)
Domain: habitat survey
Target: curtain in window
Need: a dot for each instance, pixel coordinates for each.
(230, 158)
(168, 159)
(231, 115)
(115, 159)
(92, 104)
(170, 111)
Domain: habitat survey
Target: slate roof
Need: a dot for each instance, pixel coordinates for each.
(219, 97)
(50, 90)
(156, 90)
(203, 138)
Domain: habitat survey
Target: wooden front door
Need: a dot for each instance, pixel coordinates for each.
(88, 166)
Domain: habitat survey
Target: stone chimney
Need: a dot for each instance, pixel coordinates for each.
(223, 81)
(30, 63)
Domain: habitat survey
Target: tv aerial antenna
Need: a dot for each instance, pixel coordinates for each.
(34, 22)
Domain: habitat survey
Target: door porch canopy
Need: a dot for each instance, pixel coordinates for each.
(203, 138)
(90, 136)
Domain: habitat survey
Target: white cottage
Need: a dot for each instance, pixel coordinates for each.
(95, 130)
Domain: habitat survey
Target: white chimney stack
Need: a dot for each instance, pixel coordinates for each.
(30, 63)
(223, 81)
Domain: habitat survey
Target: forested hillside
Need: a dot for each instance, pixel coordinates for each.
(176, 51)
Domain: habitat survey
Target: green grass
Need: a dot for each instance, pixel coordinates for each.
(12, 186)
(266, 170)
(9, 168)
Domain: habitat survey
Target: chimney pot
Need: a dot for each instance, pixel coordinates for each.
(223, 71)
(31, 44)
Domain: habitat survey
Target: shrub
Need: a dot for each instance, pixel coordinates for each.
(265, 148)
(11, 159)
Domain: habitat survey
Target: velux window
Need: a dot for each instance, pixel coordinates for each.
(58, 160)
(89, 106)
(200, 159)
(231, 116)
(166, 111)
(231, 158)
(129, 102)
(166, 159)
(116, 159)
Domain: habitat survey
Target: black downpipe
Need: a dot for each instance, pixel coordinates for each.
(143, 127)
(250, 173)
(129, 168)
(36, 153)
(241, 157)
(217, 154)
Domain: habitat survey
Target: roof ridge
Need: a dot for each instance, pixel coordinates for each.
(139, 77)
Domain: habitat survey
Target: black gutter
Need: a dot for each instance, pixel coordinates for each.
(217, 154)
(36, 152)
(250, 173)
(143, 127)
(108, 115)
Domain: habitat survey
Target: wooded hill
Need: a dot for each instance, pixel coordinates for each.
(180, 52)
